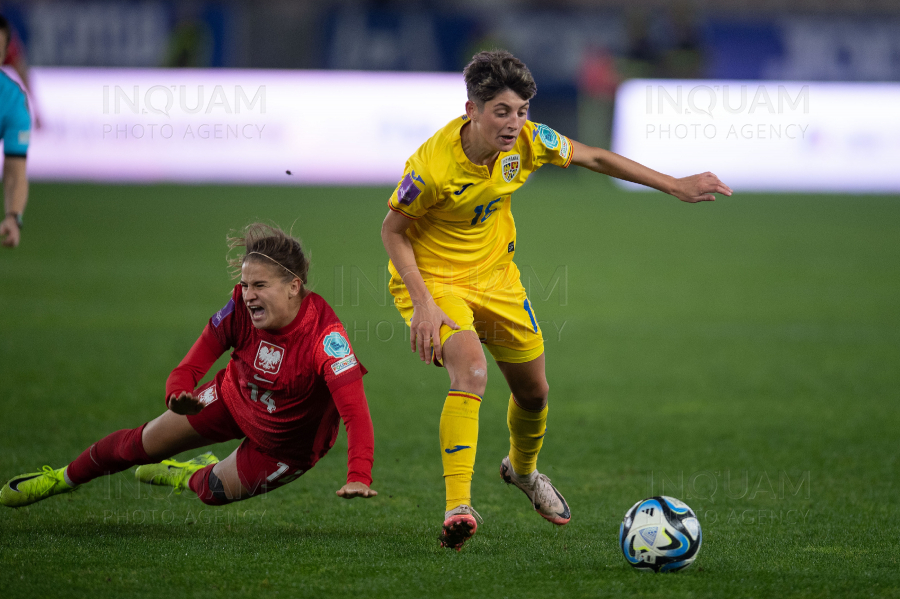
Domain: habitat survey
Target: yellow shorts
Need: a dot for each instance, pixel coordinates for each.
(500, 314)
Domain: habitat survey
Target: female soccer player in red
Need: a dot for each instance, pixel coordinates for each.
(292, 376)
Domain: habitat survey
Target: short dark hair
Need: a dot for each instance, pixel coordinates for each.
(493, 71)
(4, 26)
(267, 244)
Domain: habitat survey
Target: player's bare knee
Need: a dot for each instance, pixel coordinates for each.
(478, 377)
(157, 456)
(531, 404)
(472, 379)
(543, 391)
(152, 442)
(533, 397)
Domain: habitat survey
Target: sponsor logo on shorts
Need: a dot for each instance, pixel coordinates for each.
(208, 395)
(511, 247)
(345, 364)
(548, 136)
(408, 191)
(335, 345)
(219, 316)
(510, 165)
(24, 137)
(268, 357)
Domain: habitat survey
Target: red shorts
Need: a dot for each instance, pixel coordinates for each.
(259, 472)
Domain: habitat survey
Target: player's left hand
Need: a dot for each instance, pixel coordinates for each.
(9, 231)
(699, 188)
(185, 404)
(351, 490)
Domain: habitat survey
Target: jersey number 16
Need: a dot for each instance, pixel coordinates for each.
(489, 210)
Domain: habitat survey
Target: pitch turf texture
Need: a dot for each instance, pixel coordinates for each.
(741, 355)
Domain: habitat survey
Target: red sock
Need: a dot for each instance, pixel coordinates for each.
(208, 487)
(113, 453)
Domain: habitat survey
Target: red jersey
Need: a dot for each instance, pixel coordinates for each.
(280, 386)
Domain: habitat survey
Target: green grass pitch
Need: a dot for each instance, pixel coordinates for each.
(741, 355)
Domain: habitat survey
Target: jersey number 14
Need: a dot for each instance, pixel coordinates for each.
(265, 398)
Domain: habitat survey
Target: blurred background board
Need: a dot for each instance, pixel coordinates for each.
(578, 50)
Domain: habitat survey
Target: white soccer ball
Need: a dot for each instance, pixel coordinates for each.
(661, 534)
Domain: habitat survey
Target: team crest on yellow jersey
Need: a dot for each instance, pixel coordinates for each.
(510, 167)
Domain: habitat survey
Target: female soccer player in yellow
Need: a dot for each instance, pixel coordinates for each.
(451, 238)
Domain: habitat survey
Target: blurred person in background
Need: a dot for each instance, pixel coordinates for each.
(15, 129)
(598, 80)
(16, 59)
(684, 59)
(191, 42)
(643, 58)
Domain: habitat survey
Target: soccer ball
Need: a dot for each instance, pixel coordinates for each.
(661, 534)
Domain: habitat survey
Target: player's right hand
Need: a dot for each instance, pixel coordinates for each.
(185, 404)
(425, 330)
(9, 232)
(355, 489)
(700, 188)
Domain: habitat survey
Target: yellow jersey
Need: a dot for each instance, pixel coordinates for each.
(463, 227)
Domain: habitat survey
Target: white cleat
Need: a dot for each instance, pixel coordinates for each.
(547, 501)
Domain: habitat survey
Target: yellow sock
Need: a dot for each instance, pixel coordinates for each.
(526, 436)
(459, 438)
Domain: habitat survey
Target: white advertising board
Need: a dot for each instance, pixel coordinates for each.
(235, 126)
(765, 135)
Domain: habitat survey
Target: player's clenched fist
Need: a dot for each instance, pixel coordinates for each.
(185, 404)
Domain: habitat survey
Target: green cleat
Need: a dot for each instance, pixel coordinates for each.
(26, 489)
(170, 473)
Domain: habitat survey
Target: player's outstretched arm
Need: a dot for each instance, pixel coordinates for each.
(351, 404)
(696, 188)
(425, 325)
